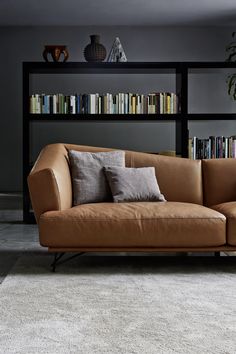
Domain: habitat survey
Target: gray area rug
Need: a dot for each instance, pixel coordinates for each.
(119, 305)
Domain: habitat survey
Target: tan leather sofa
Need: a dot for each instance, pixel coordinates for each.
(199, 215)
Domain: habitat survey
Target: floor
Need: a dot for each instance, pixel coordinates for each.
(16, 238)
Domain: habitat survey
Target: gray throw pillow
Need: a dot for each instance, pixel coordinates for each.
(133, 184)
(88, 179)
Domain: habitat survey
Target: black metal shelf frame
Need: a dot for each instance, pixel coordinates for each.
(181, 70)
(104, 117)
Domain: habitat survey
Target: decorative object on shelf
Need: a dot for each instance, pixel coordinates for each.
(117, 53)
(95, 51)
(231, 79)
(55, 51)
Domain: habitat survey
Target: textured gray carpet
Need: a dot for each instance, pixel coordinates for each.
(119, 305)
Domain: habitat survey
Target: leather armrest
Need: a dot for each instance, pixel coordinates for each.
(49, 181)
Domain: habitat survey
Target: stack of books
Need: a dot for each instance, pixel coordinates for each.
(212, 148)
(120, 103)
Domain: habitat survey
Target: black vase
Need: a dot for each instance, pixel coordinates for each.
(95, 51)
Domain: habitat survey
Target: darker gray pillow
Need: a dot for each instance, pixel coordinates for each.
(88, 180)
(133, 184)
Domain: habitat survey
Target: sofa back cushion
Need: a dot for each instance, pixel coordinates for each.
(179, 179)
(219, 181)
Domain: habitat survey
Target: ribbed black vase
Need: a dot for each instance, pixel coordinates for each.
(95, 51)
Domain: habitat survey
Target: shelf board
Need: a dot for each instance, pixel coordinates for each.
(211, 116)
(126, 67)
(130, 117)
(209, 67)
(100, 67)
(104, 117)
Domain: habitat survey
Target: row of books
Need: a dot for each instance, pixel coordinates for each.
(120, 103)
(213, 147)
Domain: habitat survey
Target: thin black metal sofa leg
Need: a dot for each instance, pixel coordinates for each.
(58, 256)
(217, 254)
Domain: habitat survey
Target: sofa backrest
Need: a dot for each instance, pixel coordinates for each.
(219, 181)
(179, 179)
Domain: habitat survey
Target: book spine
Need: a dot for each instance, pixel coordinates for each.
(99, 105)
(190, 148)
(226, 148)
(195, 145)
(133, 104)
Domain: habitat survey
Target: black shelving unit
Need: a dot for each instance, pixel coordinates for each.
(181, 70)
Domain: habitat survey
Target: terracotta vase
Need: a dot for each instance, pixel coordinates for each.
(95, 51)
(55, 51)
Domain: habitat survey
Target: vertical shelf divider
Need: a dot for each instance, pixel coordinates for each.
(27, 217)
(181, 130)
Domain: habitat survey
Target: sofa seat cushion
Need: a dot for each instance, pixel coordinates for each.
(229, 210)
(137, 224)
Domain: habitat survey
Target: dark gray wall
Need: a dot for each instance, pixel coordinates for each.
(207, 92)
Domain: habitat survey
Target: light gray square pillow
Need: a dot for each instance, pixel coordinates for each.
(133, 184)
(88, 179)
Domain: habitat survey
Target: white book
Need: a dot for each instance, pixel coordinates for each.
(54, 104)
(92, 103)
(226, 147)
(194, 148)
(72, 104)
